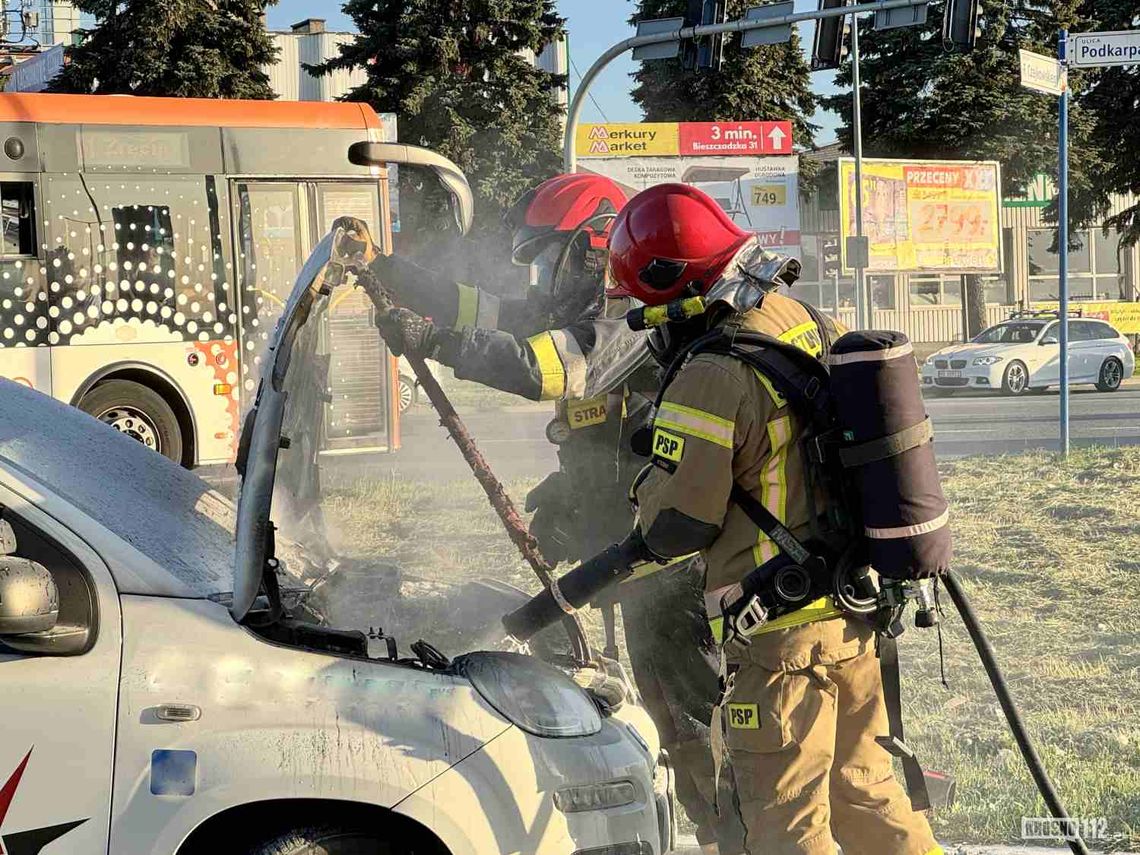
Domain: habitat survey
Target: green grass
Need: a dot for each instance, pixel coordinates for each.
(1048, 551)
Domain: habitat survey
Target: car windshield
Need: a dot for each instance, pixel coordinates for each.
(407, 556)
(1019, 332)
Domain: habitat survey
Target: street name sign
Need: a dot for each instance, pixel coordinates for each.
(1121, 47)
(1042, 73)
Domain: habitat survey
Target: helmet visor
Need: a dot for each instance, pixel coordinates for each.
(545, 267)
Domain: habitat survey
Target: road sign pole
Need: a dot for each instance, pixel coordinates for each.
(862, 310)
(1063, 242)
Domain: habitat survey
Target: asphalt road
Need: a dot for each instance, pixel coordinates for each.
(515, 444)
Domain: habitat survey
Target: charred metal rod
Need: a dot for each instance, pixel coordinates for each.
(492, 486)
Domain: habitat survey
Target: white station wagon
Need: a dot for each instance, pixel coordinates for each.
(1023, 354)
(166, 692)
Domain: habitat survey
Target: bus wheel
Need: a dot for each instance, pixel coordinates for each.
(139, 412)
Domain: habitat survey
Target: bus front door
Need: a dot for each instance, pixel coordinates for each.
(278, 224)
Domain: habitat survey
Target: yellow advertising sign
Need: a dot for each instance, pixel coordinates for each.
(933, 216)
(628, 139)
(769, 194)
(1124, 316)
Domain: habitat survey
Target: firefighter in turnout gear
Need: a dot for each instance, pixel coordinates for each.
(566, 343)
(802, 698)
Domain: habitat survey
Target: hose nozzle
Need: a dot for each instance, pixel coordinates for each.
(576, 588)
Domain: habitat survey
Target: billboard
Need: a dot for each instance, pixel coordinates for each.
(1125, 316)
(935, 216)
(748, 167)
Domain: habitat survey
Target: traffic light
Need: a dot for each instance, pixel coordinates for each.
(827, 50)
(960, 23)
(707, 52)
(830, 265)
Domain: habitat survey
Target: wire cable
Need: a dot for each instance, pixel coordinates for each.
(593, 100)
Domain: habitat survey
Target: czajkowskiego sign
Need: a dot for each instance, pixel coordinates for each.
(1087, 50)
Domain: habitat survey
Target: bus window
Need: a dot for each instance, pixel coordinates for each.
(23, 299)
(138, 255)
(144, 238)
(271, 255)
(17, 204)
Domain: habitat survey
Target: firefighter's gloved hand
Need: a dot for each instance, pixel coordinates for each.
(408, 333)
(553, 523)
(357, 240)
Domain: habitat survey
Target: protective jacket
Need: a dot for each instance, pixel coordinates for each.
(721, 422)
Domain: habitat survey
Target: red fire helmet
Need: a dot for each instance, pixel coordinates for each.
(670, 240)
(560, 206)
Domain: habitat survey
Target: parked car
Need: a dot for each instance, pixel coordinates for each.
(1023, 354)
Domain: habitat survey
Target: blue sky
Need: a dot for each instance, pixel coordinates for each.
(593, 25)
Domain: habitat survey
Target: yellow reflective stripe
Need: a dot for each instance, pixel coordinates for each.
(789, 335)
(777, 399)
(651, 567)
(468, 311)
(549, 366)
(805, 336)
(822, 609)
(717, 627)
(694, 422)
(774, 484)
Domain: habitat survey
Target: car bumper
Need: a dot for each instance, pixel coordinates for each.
(512, 795)
(970, 377)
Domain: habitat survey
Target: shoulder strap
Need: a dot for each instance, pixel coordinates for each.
(801, 378)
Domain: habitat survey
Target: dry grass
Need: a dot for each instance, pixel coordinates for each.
(1049, 552)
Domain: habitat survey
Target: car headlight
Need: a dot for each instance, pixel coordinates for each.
(987, 360)
(531, 694)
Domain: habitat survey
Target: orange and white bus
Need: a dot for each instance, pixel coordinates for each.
(148, 244)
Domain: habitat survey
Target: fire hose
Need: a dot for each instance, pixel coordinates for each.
(492, 486)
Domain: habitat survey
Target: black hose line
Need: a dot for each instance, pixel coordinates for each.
(1016, 724)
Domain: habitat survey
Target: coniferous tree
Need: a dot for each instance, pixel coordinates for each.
(1111, 99)
(766, 83)
(459, 77)
(179, 48)
(923, 100)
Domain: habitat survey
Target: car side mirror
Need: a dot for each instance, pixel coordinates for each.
(1049, 339)
(29, 598)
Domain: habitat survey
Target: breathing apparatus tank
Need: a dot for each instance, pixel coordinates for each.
(887, 448)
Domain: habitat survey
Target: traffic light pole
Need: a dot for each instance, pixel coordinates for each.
(573, 114)
(862, 303)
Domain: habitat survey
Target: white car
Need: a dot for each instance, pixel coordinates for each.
(1023, 354)
(167, 692)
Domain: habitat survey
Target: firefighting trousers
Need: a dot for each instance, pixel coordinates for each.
(801, 716)
(674, 663)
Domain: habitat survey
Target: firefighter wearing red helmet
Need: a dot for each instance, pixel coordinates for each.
(802, 699)
(562, 343)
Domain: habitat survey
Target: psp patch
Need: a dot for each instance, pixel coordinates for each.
(667, 446)
(743, 717)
